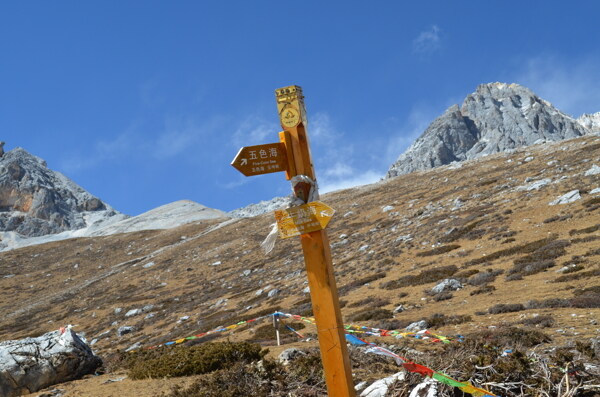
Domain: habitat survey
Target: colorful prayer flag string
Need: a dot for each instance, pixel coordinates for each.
(422, 370)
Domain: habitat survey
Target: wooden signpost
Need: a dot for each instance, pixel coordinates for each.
(309, 222)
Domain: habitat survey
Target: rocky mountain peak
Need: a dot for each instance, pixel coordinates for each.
(590, 121)
(35, 200)
(497, 117)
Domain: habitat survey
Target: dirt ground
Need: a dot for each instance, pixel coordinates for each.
(477, 216)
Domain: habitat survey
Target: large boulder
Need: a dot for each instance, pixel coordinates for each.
(31, 364)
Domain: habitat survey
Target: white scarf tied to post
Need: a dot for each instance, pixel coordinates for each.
(313, 194)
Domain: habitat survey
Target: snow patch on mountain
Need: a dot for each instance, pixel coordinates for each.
(260, 208)
(164, 217)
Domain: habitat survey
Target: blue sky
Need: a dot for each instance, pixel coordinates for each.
(147, 102)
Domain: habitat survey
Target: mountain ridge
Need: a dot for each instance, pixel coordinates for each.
(497, 117)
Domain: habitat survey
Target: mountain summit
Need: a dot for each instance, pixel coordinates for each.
(35, 201)
(497, 117)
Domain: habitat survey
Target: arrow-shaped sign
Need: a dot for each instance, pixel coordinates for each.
(303, 219)
(261, 159)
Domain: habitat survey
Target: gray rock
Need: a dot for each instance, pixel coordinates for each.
(595, 191)
(273, 292)
(387, 208)
(380, 387)
(135, 346)
(133, 312)
(495, 118)
(399, 309)
(448, 284)
(417, 326)
(288, 355)
(36, 201)
(124, 330)
(595, 170)
(536, 185)
(567, 198)
(427, 388)
(31, 364)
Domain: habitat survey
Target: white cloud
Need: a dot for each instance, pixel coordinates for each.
(427, 41)
(336, 164)
(356, 179)
(255, 130)
(572, 85)
(178, 136)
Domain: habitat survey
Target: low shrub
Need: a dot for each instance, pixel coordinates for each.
(517, 249)
(360, 282)
(167, 362)
(558, 218)
(483, 290)
(550, 303)
(373, 301)
(586, 230)
(506, 308)
(587, 291)
(510, 336)
(586, 239)
(424, 277)
(591, 301)
(394, 324)
(440, 320)
(371, 314)
(459, 232)
(484, 277)
(438, 250)
(577, 276)
(545, 321)
(442, 296)
(270, 378)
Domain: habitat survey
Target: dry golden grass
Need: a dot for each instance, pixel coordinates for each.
(467, 218)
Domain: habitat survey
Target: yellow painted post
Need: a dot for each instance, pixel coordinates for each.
(317, 252)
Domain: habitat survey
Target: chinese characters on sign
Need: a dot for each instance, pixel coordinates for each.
(261, 159)
(303, 219)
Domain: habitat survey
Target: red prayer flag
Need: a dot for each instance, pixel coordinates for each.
(419, 369)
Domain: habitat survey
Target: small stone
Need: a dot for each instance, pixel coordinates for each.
(217, 263)
(135, 346)
(273, 292)
(399, 309)
(133, 312)
(448, 284)
(125, 330)
(595, 170)
(363, 248)
(246, 273)
(387, 208)
(417, 326)
(289, 355)
(567, 198)
(118, 310)
(182, 319)
(147, 265)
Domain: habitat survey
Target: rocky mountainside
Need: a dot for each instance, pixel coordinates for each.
(506, 244)
(497, 117)
(35, 200)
